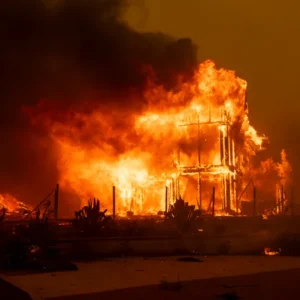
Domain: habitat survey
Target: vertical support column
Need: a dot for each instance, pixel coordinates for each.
(235, 192)
(56, 202)
(224, 156)
(226, 148)
(198, 143)
(213, 201)
(177, 179)
(114, 201)
(228, 192)
(229, 151)
(199, 192)
(173, 191)
(237, 184)
(223, 192)
(222, 163)
(221, 147)
(232, 192)
(233, 153)
(199, 165)
(166, 201)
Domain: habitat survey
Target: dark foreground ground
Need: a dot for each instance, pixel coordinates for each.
(9, 291)
(270, 285)
(216, 277)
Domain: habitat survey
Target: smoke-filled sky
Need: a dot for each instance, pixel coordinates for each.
(76, 50)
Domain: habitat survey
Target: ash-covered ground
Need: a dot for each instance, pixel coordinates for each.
(144, 278)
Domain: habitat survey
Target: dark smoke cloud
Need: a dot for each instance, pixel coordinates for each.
(70, 51)
(80, 45)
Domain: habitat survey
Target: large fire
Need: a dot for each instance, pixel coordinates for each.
(191, 139)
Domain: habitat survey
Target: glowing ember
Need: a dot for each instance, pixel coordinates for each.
(269, 252)
(190, 140)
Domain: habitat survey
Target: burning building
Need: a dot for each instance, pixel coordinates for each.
(196, 141)
(214, 141)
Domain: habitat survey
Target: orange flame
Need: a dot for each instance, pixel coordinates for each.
(269, 252)
(10, 203)
(176, 134)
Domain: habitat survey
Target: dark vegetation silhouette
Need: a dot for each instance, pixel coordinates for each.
(30, 246)
(183, 216)
(90, 220)
(35, 244)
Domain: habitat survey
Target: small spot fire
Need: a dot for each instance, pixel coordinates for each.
(271, 252)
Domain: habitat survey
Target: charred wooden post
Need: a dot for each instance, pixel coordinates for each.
(221, 147)
(177, 179)
(199, 164)
(56, 202)
(223, 192)
(173, 191)
(229, 149)
(114, 201)
(233, 193)
(226, 146)
(166, 201)
(228, 193)
(254, 201)
(198, 142)
(199, 192)
(213, 201)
